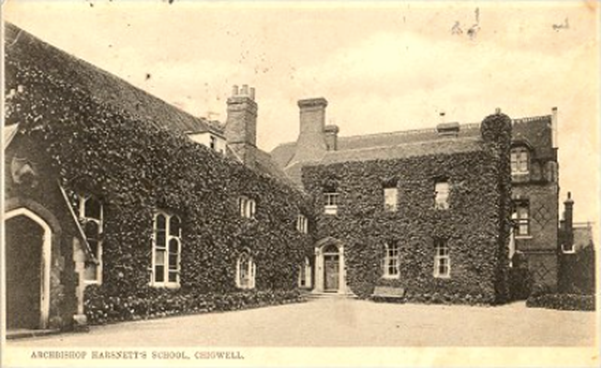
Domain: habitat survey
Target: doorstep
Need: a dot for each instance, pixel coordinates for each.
(25, 333)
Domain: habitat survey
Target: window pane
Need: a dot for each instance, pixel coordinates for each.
(93, 208)
(172, 276)
(174, 226)
(173, 261)
(390, 198)
(160, 222)
(90, 272)
(523, 229)
(442, 187)
(91, 229)
(93, 247)
(159, 257)
(159, 273)
(160, 239)
(173, 246)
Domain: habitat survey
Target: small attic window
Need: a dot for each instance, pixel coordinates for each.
(213, 142)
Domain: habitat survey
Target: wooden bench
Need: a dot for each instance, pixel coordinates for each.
(385, 293)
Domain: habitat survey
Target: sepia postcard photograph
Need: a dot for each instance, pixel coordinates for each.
(299, 183)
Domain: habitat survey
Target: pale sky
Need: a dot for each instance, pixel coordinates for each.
(383, 66)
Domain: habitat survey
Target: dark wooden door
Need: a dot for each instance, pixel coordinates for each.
(331, 272)
(24, 243)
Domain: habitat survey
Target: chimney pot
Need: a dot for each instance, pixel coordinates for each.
(252, 93)
(498, 110)
(235, 90)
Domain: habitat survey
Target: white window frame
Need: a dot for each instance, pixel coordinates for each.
(304, 274)
(520, 161)
(247, 207)
(302, 224)
(83, 200)
(331, 202)
(391, 260)
(167, 269)
(522, 219)
(250, 268)
(442, 192)
(391, 199)
(442, 259)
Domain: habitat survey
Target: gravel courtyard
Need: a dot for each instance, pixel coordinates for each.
(345, 323)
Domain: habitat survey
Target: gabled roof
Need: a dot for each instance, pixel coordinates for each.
(375, 146)
(404, 150)
(266, 165)
(26, 52)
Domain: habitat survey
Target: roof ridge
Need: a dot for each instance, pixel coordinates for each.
(407, 132)
(406, 144)
(530, 118)
(73, 58)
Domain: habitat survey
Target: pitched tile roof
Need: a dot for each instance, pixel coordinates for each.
(418, 142)
(26, 52)
(449, 145)
(31, 53)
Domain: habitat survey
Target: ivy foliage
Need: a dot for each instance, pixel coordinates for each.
(148, 303)
(475, 227)
(135, 167)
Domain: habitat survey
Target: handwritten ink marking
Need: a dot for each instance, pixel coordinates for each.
(472, 31)
(456, 28)
(560, 26)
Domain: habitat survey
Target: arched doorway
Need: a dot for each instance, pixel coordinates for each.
(330, 273)
(28, 241)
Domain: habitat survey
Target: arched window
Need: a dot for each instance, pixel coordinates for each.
(245, 271)
(520, 158)
(390, 260)
(91, 218)
(166, 250)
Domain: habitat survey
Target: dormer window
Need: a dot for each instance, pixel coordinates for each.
(246, 207)
(331, 203)
(520, 158)
(213, 142)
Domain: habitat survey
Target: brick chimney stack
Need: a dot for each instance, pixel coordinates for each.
(311, 144)
(241, 124)
(568, 218)
(331, 134)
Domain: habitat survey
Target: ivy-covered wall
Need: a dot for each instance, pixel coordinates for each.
(476, 226)
(135, 168)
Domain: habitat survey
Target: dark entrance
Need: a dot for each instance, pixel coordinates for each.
(331, 269)
(24, 243)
